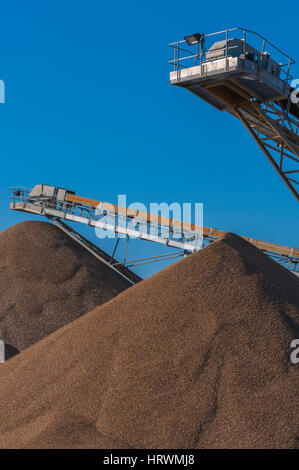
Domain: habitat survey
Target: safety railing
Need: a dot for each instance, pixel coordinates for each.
(189, 55)
(19, 194)
(112, 220)
(108, 216)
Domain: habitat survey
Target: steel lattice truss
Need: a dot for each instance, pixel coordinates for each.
(134, 224)
(241, 72)
(277, 135)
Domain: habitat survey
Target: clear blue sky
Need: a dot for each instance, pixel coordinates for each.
(88, 107)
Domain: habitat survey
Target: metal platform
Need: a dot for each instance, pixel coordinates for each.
(239, 71)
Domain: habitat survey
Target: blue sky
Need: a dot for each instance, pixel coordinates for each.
(88, 107)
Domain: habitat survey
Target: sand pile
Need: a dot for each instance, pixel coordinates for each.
(46, 281)
(196, 356)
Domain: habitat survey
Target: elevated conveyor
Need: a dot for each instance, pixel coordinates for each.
(62, 205)
(240, 72)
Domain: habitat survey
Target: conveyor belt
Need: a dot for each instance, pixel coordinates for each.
(137, 224)
(210, 233)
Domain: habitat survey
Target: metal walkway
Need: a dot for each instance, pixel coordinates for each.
(187, 238)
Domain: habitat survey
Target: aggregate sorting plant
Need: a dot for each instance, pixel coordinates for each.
(235, 70)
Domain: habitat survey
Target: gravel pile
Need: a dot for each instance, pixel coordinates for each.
(46, 281)
(196, 356)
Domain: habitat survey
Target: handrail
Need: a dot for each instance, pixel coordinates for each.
(207, 232)
(285, 68)
(172, 44)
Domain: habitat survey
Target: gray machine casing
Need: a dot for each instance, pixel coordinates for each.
(49, 192)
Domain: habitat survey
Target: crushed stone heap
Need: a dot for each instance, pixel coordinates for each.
(196, 356)
(46, 281)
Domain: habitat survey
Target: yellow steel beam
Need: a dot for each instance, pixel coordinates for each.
(207, 232)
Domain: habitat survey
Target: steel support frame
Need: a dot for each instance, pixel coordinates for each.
(87, 217)
(119, 268)
(278, 147)
(122, 225)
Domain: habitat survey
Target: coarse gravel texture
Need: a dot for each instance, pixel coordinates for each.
(46, 281)
(197, 356)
